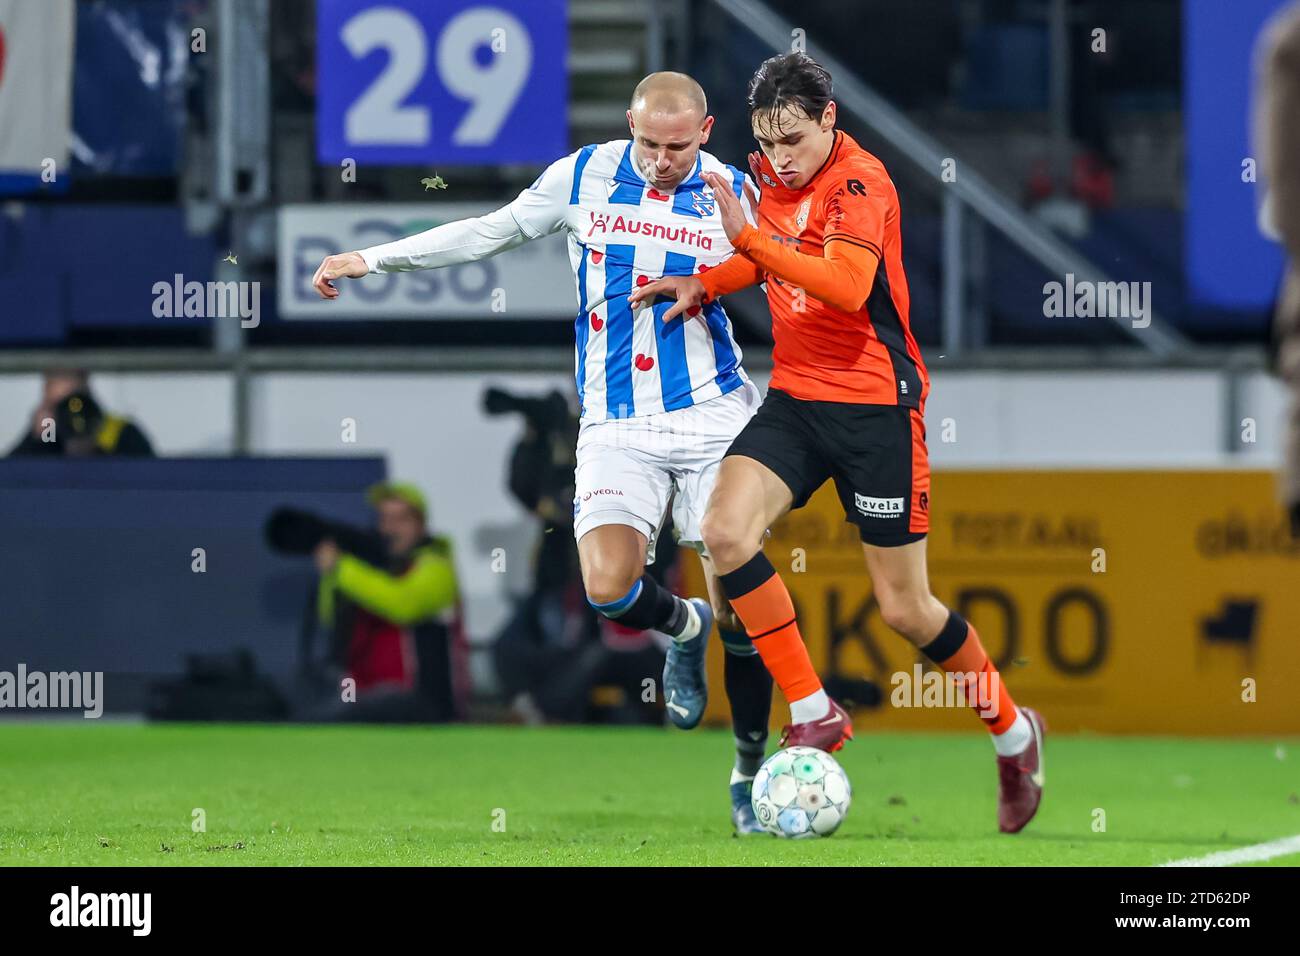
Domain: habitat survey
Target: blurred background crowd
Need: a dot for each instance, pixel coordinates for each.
(284, 496)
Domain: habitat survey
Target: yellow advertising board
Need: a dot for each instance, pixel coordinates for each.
(1113, 601)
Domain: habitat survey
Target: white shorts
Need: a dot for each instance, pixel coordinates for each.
(628, 468)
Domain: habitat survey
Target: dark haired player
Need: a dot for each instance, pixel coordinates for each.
(846, 401)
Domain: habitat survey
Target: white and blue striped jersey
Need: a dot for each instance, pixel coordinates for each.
(622, 231)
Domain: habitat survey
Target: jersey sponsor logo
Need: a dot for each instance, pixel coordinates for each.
(856, 187)
(601, 222)
(607, 491)
(878, 507)
(834, 210)
(925, 501)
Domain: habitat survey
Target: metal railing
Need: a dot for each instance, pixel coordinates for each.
(969, 196)
(968, 191)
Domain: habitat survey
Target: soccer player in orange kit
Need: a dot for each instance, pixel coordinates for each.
(846, 401)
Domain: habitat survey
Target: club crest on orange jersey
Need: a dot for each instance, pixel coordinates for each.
(801, 219)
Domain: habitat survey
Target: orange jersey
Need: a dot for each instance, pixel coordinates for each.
(832, 256)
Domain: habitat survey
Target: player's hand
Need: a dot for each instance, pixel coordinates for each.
(729, 207)
(756, 166)
(687, 290)
(349, 265)
(326, 556)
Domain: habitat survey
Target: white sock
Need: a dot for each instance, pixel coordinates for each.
(1015, 738)
(738, 777)
(808, 708)
(692, 629)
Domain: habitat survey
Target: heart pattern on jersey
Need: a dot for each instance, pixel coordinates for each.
(596, 257)
(597, 322)
(644, 362)
(704, 268)
(656, 194)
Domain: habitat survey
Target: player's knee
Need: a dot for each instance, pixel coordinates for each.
(727, 540)
(609, 585)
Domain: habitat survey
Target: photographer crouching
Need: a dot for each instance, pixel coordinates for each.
(389, 605)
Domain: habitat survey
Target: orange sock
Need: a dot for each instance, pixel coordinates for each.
(958, 650)
(761, 601)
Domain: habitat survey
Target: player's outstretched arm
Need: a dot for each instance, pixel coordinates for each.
(536, 212)
(450, 244)
(348, 265)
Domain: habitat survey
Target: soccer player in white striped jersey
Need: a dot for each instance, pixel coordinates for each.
(661, 401)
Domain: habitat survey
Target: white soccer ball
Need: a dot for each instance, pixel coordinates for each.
(801, 792)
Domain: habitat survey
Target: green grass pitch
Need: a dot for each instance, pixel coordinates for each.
(123, 794)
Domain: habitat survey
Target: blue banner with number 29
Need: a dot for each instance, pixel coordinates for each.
(457, 82)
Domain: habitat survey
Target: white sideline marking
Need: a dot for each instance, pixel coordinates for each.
(1246, 854)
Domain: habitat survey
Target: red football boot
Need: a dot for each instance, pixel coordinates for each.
(829, 733)
(1020, 779)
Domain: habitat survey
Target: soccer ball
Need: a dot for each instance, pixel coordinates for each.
(801, 792)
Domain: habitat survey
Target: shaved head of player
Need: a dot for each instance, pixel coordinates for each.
(669, 120)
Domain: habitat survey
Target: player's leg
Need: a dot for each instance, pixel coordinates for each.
(613, 570)
(884, 484)
(613, 558)
(772, 467)
(711, 428)
(902, 590)
(749, 694)
(747, 499)
(620, 502)
(747, 680)
(694, 440)
(620, 498)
